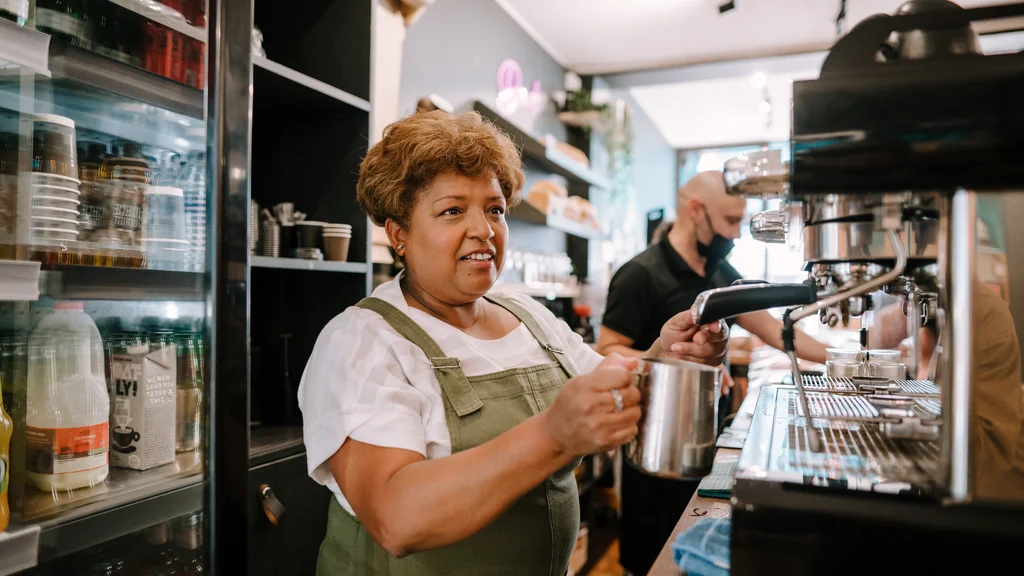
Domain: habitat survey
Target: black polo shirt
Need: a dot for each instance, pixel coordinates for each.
(653, 287)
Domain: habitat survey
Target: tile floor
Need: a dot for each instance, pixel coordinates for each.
(608, 565)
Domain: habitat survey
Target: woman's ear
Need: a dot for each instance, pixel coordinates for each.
(396, 235)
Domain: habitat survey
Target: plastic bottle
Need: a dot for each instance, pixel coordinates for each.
(68, 409)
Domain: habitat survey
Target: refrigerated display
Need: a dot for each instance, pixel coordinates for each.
(104, 361)
(128, 295)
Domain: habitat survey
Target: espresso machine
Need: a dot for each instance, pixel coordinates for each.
(905, 185)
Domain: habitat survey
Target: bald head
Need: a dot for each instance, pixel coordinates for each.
(705, 194)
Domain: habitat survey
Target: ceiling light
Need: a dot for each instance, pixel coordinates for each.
(764, 107)
(758, 80)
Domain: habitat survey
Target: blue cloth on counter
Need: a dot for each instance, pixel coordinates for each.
(703, 550)
(718, 484)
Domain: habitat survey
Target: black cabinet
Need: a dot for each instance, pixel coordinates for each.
(291, 546)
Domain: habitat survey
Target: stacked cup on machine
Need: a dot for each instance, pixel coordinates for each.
(55, 185)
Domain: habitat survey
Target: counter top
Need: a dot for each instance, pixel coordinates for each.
(699, 507)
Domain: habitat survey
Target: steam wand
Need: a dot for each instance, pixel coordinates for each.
(792, 316)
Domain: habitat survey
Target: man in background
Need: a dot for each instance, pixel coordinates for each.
(644, 293)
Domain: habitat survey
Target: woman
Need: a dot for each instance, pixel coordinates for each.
(447, 419)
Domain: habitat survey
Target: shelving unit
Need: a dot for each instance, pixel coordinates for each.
(311, 129)
(316, 265)
(547, 157)
(273, 443)
(527, 213)
(290, 75)
(549, 291)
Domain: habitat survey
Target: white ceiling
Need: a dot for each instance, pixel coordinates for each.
(710, 113)
(688, 67)
(605, 36)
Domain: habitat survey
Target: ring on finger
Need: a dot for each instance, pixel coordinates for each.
(617, 396)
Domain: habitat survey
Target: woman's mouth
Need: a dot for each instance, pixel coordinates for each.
(482, 260)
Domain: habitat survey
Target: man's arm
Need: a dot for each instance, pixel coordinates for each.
(769, 329)
(627, 313)
(611, 342)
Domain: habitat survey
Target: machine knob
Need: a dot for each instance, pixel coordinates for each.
(769, 226)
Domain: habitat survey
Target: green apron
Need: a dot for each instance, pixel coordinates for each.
(532, 538)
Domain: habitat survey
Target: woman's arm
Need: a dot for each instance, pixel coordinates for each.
(409, 504)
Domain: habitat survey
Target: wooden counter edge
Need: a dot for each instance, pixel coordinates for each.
(715, 508)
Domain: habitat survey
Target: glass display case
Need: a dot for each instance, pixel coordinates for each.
(108, 285)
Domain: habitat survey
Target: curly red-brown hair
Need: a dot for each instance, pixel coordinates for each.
(421, 147)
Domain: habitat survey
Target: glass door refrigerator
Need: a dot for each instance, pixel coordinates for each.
(124, 155)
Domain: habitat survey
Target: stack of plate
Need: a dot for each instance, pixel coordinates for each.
(309, 253)
(54, 209)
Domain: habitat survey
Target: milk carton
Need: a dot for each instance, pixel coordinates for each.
(142, 404)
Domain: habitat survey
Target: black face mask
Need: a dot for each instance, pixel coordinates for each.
(719, 247)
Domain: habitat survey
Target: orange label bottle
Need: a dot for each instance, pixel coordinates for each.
(6, 428)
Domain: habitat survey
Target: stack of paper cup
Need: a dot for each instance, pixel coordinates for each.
(336, 241)
(54, 181)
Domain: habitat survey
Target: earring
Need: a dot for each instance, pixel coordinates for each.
(400, 246)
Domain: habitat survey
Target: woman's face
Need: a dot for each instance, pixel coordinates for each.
(454, 247)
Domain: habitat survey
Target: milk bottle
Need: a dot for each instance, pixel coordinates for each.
(68, 409)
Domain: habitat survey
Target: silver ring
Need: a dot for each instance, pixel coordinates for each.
(617, 396)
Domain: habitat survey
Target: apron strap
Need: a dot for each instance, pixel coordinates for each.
(456, 387)
(524, 316)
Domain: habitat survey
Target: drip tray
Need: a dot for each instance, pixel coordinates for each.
(855, 407)
(905, 387)
(856, 453)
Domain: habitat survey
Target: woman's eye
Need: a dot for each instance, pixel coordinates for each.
(450, 212)
(497, 210)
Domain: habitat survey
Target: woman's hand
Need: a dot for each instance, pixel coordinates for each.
(582, 420)
(681, 340)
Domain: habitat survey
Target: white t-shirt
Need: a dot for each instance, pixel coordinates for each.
(365, 381)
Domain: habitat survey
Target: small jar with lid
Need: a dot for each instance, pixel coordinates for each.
(54, 148)
(91, 208)
(125, 176)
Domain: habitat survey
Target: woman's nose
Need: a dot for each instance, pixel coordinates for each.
(479, 226)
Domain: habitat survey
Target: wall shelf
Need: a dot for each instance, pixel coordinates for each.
(269, 443)
(301, 264)
(307, 81)
(548, 157)
(526, 212)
